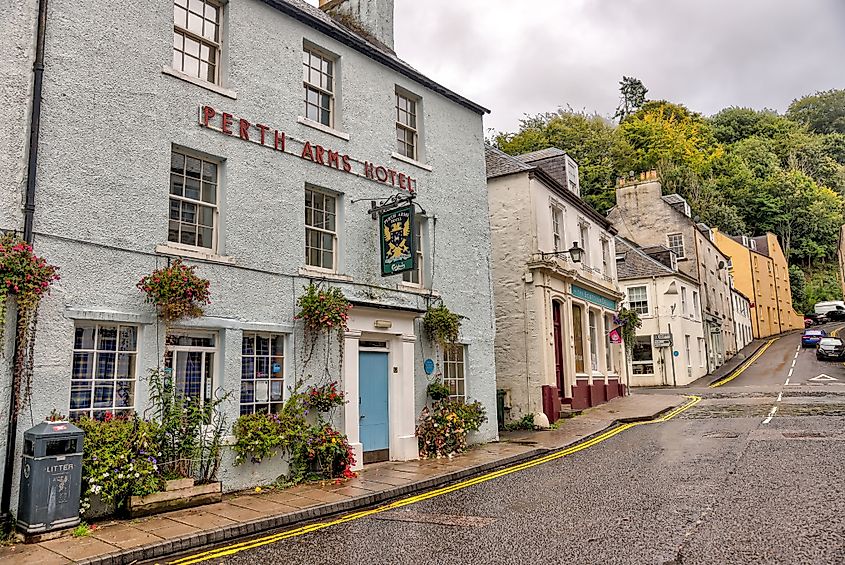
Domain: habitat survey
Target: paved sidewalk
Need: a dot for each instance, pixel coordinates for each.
(245, 514)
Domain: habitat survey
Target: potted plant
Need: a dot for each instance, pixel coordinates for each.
(176, 290)
(441, 324)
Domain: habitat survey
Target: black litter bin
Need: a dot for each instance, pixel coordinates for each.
(51, 477)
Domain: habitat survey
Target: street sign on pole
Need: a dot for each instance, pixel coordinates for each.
(662, 340)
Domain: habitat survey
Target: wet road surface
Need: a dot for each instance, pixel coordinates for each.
(751, 474)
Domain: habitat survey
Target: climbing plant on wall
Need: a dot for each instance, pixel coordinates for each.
(629, 322)
(27, 278)
(324, 311)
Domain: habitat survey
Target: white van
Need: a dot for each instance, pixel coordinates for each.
(825, 307)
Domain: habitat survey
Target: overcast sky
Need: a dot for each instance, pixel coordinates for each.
(528, 56)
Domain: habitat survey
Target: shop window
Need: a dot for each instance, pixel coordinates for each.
(454, 370)
(196, 39)
(608, 347)
(406, 125)
(262, 373)
(642, 356)
(318, 73)
(578, 337)
(193, 201)
(320, 230)
(416, 277)
(104, 369)
(638, 299)
(594, 341)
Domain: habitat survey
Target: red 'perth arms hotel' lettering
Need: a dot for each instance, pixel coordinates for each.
(260, 134)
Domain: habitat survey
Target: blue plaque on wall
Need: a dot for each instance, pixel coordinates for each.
(428, 365)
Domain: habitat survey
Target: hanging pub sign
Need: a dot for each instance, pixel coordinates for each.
(398, 245)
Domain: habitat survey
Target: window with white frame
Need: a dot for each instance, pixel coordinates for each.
(262, 372)
(676, 244)
(684, 300)
(642, 356)
(638, 299)
(416, 276)
(193, 200)
(701, 353)
(608, 345)
(406, 125)
(696, 305)
(585, 238)
(605, 257)
(687, 350)
(104, 369)
(196, 38)
(454, 370)
(557, 227)
(189, 358)
(320, 230)
(318, 71)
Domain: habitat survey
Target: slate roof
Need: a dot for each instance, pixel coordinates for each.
(500, 163)
(762, 244)
(319, 20)
(541, 154)
(636, 264)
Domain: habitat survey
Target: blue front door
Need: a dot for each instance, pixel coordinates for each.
(372, 380)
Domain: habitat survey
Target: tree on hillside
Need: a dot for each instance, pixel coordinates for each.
(735, 124)
(798, 286)
(588, 138)
(632, 96)
(822, 112)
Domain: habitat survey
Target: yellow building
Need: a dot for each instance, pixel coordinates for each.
(761, 272)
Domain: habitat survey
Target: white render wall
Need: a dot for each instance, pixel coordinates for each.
(742, 320)
(660, 316)
(110, 117)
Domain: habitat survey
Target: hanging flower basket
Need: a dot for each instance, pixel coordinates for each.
(28, 278)
(442, 325)
(176, 291)
(323, 309)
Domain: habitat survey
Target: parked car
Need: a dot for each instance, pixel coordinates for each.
(816, 319)
(830, 348)
(808, 322)
(836, 315)
(829, 306)
(811, 338)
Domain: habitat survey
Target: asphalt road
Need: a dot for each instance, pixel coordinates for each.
(751, 474)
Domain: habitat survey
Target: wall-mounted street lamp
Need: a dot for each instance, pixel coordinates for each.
(574, 253)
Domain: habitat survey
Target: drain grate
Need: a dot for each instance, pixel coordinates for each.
(722, 435)
(457, 520)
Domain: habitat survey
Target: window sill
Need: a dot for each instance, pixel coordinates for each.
(325, 129)
(414, 162)
(315, 273)
(228, 93)
(193, 253)
(416, 289)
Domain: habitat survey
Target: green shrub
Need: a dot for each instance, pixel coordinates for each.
(120, 459)
(442, 325)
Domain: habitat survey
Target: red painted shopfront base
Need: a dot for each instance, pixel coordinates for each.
(585, 395)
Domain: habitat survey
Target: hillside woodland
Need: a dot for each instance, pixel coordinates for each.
(743, 170)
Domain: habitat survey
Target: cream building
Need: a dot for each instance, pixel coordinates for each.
(644, 215)
(669, 305)
(554, 307)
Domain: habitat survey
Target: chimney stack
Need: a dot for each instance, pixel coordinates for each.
(371, 18)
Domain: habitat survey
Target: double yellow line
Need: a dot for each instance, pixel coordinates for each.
(226, 551)
(744, 366)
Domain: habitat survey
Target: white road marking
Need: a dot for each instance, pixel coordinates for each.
(794, 361)
(824, 378)
(771, 415)
(796, 354)
(780, 396)
(790, 373)
(787, 381)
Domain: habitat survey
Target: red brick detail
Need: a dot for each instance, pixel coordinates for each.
(580, 396)
(597, 394)
(551, 403)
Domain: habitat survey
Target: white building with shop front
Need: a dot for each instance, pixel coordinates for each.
(670, 347)
(248, 138)
(554, 307)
